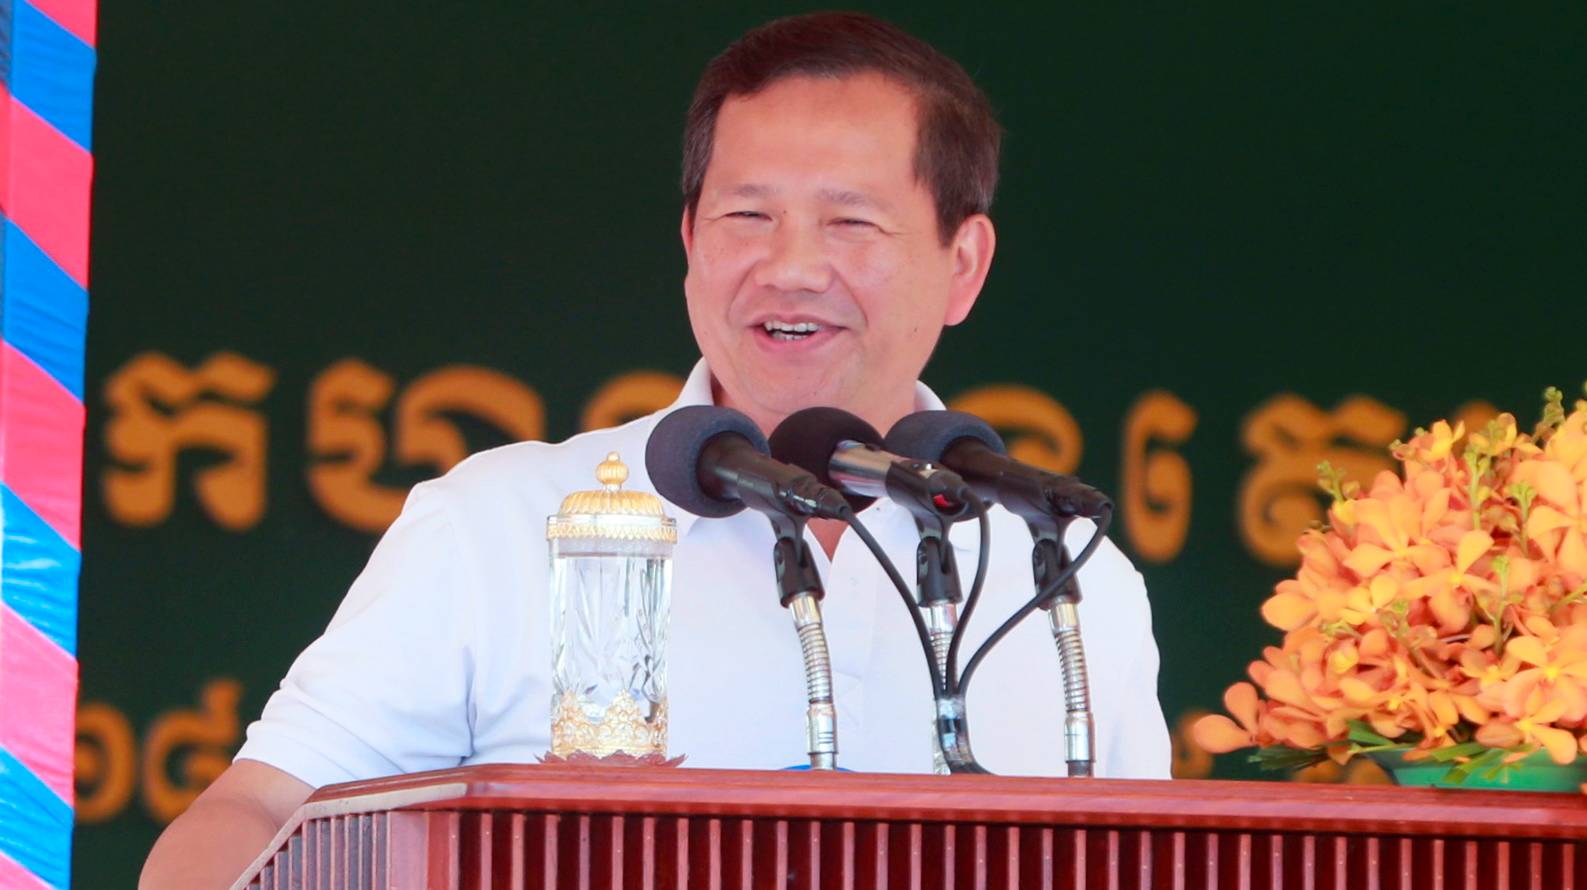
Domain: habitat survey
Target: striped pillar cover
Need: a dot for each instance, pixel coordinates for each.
(46, 96)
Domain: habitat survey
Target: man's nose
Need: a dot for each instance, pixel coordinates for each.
(796, 261)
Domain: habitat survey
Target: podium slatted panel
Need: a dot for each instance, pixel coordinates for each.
(471, 850)
(542, 828)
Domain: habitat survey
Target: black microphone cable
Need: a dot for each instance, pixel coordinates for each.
(843, 451)
(954, 724)
(984, 525)
(938, 687)
(960, 685)
(1104, 519)
(944, 688)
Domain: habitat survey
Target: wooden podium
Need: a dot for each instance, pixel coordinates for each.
(551, 827)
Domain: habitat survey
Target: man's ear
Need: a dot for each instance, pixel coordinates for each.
(686, 229)
(972, 248)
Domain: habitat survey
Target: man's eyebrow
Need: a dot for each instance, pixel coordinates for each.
(849, 198)
(841, 197)
(750, 190)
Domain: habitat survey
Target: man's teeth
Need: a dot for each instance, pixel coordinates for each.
(791, 331)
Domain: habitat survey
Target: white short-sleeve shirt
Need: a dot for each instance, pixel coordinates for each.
(440, 655)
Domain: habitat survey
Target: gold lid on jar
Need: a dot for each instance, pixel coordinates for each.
(609, 513)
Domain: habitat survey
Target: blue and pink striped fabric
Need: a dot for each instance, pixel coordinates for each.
(46, 166)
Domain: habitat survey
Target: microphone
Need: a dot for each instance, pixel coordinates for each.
(714, 462)
(967, 445)
(845, 452)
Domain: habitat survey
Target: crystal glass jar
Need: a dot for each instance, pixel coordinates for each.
(611, 594)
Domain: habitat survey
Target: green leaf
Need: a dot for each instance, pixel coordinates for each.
(1281, 758)
(1446, 755)
(1500, 771)
(1361, 732)
(1460, 772)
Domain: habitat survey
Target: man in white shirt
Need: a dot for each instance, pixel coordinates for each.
(837, 174)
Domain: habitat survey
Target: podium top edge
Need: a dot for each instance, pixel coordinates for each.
(1118, 803)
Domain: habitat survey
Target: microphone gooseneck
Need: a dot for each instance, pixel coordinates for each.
(1048, 502)
(841, 450)
(821, 715)
(844, 451)
(1079, 724)
(713, 462)
(800, 592)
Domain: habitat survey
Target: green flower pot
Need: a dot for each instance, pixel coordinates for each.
(1538, 772)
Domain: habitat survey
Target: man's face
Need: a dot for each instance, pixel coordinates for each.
(817, 275)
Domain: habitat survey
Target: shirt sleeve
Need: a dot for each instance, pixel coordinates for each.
(1140, 746)
(385, 689)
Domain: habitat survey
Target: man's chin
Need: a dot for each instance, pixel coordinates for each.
(782, 396)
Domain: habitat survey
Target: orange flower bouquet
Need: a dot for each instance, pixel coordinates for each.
(1441, 615)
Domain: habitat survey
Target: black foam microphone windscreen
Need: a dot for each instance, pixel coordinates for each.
(926, 435)
(808, 438)
(672, 455)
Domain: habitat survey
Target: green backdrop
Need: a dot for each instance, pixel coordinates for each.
(1224, 204)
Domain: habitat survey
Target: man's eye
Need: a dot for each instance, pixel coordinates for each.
(747, 214)
(852, 222)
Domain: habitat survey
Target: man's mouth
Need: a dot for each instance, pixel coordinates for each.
(792, 331)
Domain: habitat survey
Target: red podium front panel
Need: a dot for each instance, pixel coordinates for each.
(558, 827)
